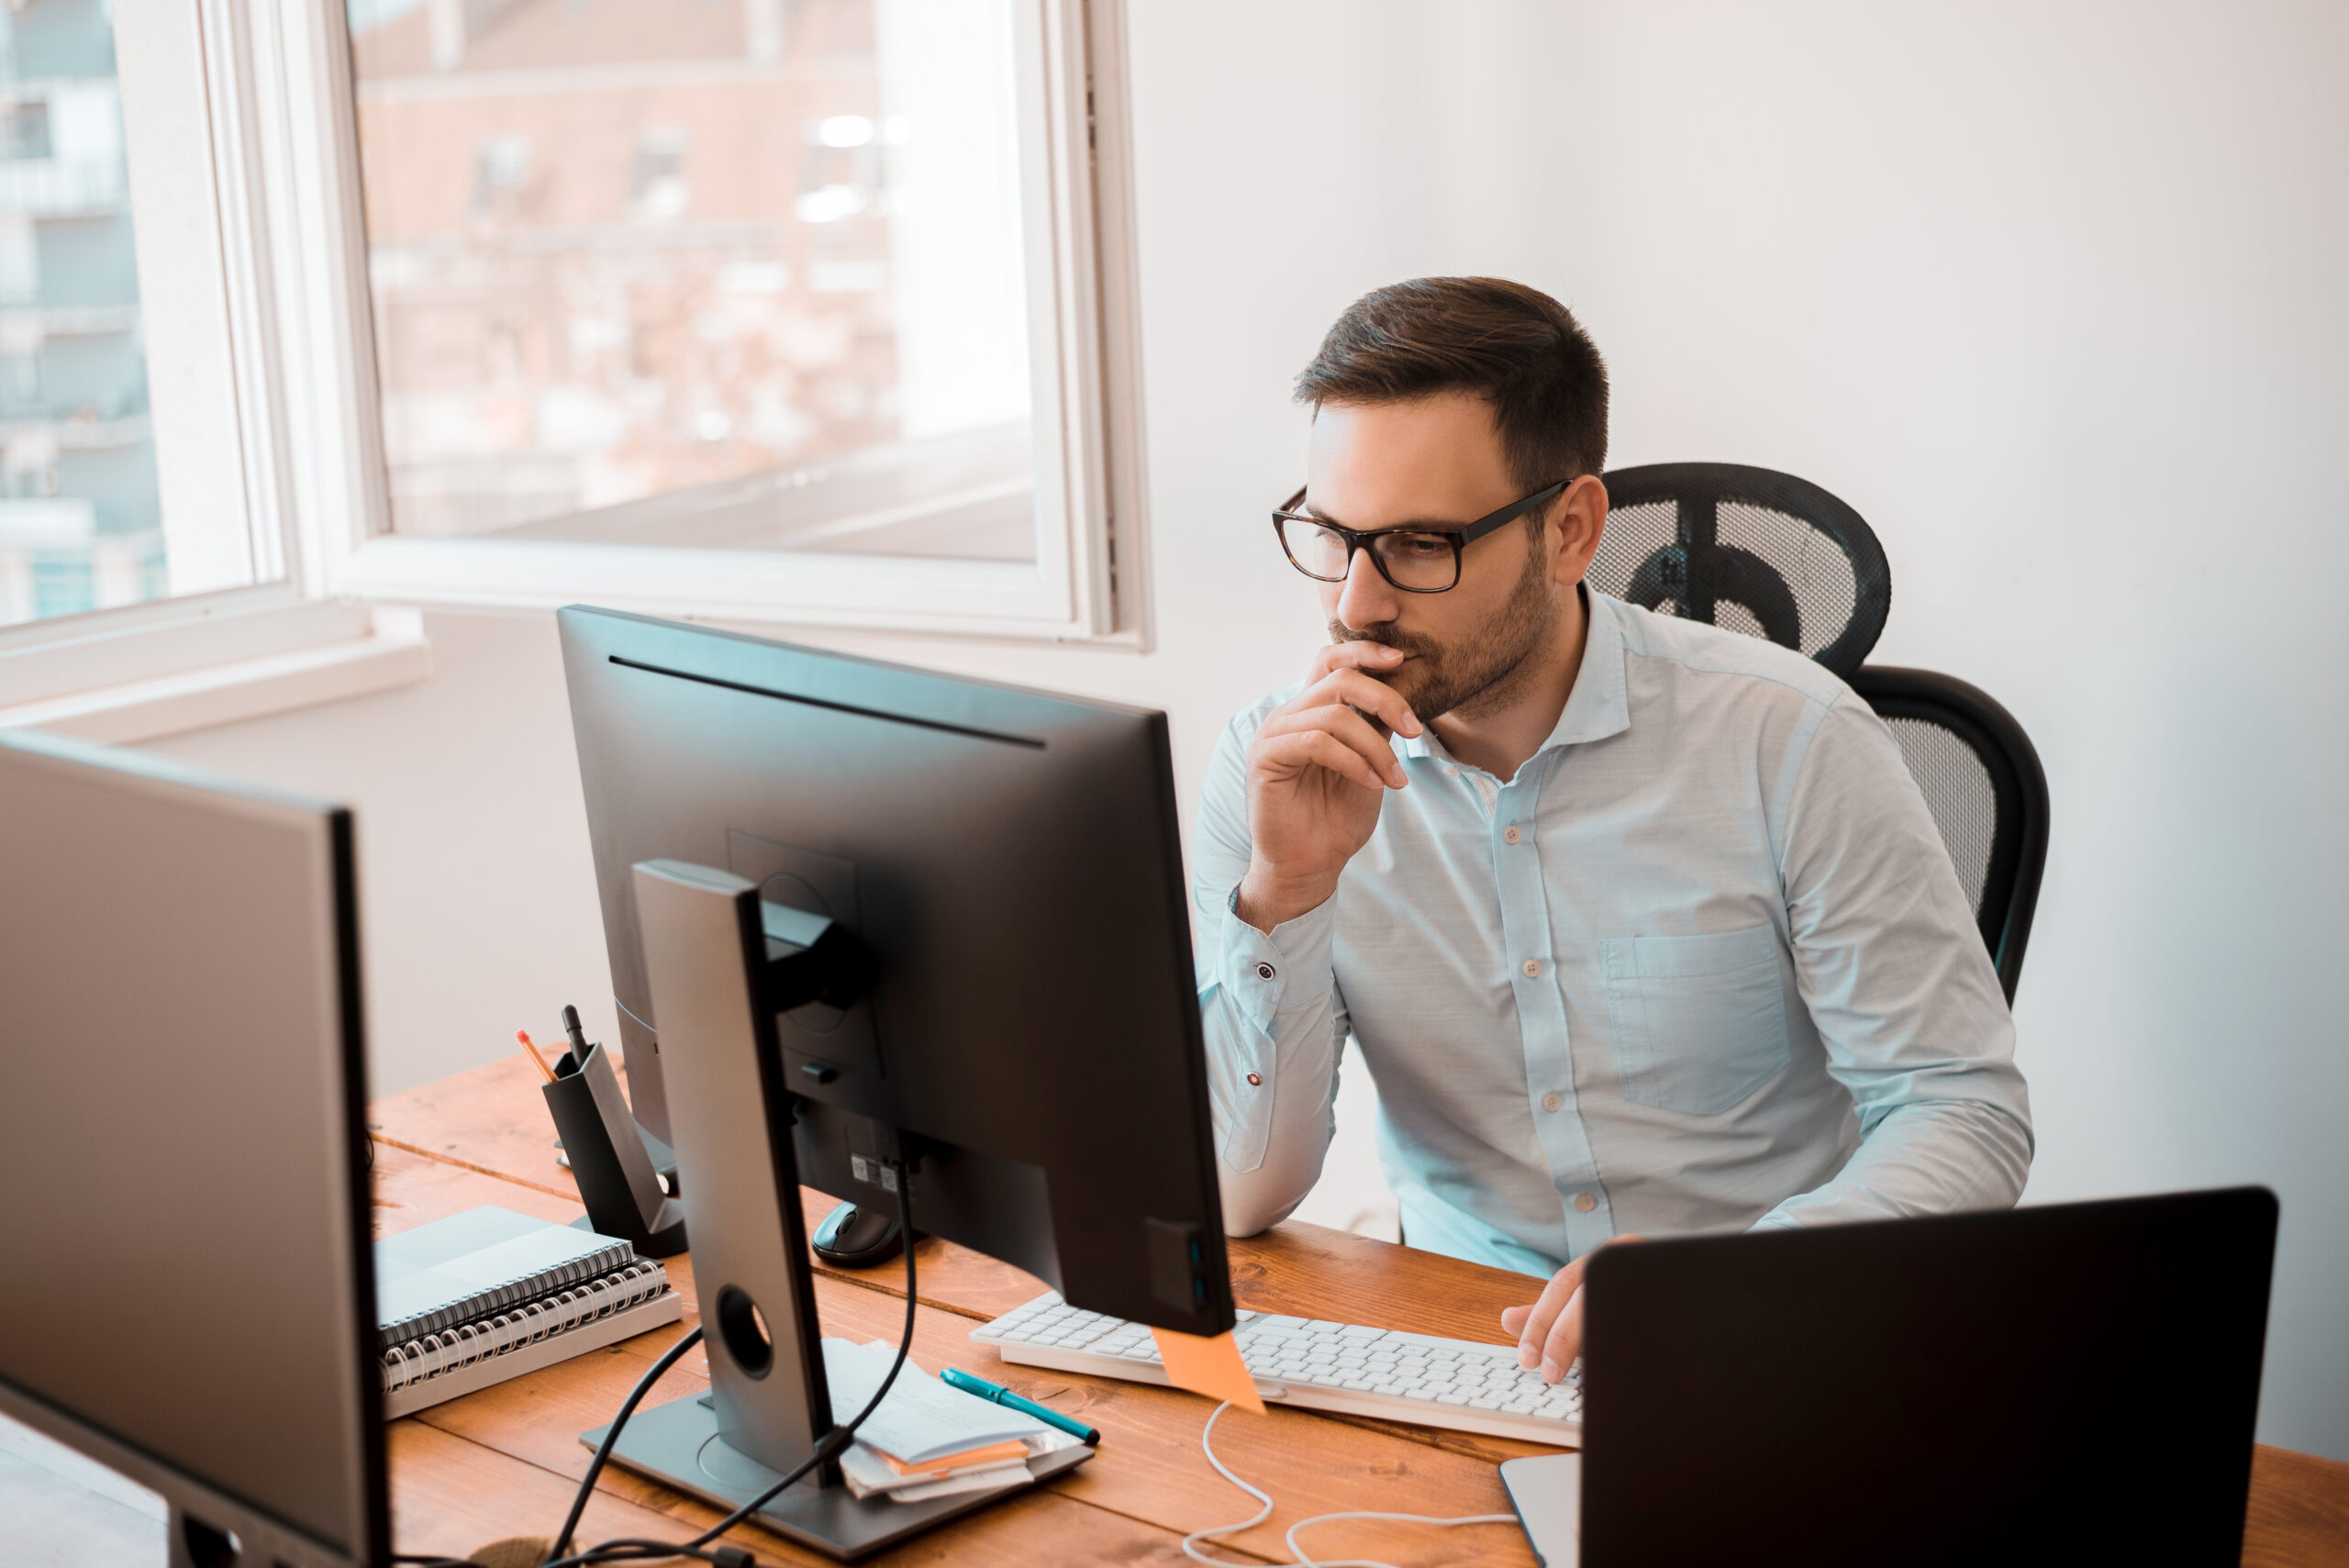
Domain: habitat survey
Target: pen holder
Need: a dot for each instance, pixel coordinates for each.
(609, 1157)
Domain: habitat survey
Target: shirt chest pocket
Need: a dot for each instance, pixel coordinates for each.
(1700, 1022)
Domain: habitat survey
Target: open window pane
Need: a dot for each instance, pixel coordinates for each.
(81, 525)
(742, 275)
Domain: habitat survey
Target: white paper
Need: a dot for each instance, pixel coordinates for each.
(868, 1474)
(922, 1417)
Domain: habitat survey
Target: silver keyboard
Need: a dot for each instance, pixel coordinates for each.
(1459, 1384)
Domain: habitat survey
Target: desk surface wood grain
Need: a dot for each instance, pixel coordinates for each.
(503, 1462)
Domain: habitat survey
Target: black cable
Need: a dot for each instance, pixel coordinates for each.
(829, 1447)
(629, 1550)
(835, 1443)
(611, 1434)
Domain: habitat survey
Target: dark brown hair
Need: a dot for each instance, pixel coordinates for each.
(1515, 346)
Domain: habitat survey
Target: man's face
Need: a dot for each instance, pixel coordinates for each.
(1433, 462)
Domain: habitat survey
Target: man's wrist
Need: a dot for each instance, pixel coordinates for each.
(1266, 900)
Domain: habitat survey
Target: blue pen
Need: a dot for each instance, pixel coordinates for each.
(954, 1377)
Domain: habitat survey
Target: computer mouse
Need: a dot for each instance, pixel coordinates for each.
(853, 1238)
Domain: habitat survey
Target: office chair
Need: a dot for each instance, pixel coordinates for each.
(1755, 550)
(1773, 556)
(1982, 781)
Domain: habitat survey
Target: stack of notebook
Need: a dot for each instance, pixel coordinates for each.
(487, 1294)
(927, 1440)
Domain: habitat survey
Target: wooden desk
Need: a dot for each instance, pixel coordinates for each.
(504, 1461)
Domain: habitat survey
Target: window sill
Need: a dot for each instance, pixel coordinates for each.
(392, 652)
(984, 598)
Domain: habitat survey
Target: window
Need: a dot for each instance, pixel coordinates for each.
(80, 515)
(799, 310)
(153, 455)
(816, 311)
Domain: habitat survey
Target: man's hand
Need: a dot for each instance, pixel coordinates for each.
(1317, 775)
(1549, 1332)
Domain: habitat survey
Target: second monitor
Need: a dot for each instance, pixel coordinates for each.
(1010, 860)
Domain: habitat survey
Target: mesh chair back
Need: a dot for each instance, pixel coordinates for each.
(1982, 781)
(1773, 556)
(1748, 549)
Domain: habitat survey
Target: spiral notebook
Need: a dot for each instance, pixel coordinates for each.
(485, 1295)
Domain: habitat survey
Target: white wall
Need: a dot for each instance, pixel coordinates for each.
(2051, 294)
(2054, 295)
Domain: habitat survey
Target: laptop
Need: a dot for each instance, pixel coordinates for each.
(2067, 1384)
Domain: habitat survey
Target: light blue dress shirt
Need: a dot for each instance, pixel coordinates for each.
(1702, 964)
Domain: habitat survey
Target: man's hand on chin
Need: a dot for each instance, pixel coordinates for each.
(1549, 1332)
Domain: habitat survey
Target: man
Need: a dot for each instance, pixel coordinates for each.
(1641, 925)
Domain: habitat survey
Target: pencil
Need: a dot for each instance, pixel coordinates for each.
(524, 1036)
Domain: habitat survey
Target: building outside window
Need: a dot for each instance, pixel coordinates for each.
(80, 511)
(734, 274)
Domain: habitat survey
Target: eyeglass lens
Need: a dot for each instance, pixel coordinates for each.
(1411, 560)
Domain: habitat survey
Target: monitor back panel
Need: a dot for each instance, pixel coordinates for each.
(1011, 858)
(184, 1264)
(2069, 1384)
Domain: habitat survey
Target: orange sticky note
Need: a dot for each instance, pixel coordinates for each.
(1209, 1366)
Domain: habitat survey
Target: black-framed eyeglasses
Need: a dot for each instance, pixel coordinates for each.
(1417, 561)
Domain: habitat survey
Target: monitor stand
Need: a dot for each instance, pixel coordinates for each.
(714, 990)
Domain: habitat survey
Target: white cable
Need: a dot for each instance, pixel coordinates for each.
(1190, 1546)
(1305, 1561)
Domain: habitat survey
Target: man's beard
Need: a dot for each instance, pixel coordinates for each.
(1479, 674)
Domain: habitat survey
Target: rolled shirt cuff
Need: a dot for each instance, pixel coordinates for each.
(1271, 972)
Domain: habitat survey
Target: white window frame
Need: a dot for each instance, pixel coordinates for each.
(286, 433)
(1086, 582)
(253, 627)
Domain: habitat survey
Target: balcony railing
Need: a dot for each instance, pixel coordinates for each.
(46, 522)
(44, 187)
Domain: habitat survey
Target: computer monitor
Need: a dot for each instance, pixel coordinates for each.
(1011, 861)
(186, 1278)
(906, 932)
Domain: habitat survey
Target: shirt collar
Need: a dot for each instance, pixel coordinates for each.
(1595, 708)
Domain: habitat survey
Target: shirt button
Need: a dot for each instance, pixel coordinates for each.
(1264, 972)
(1532, 968)
(1510, 835)
(1550, 1102)
(1585, 1201)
